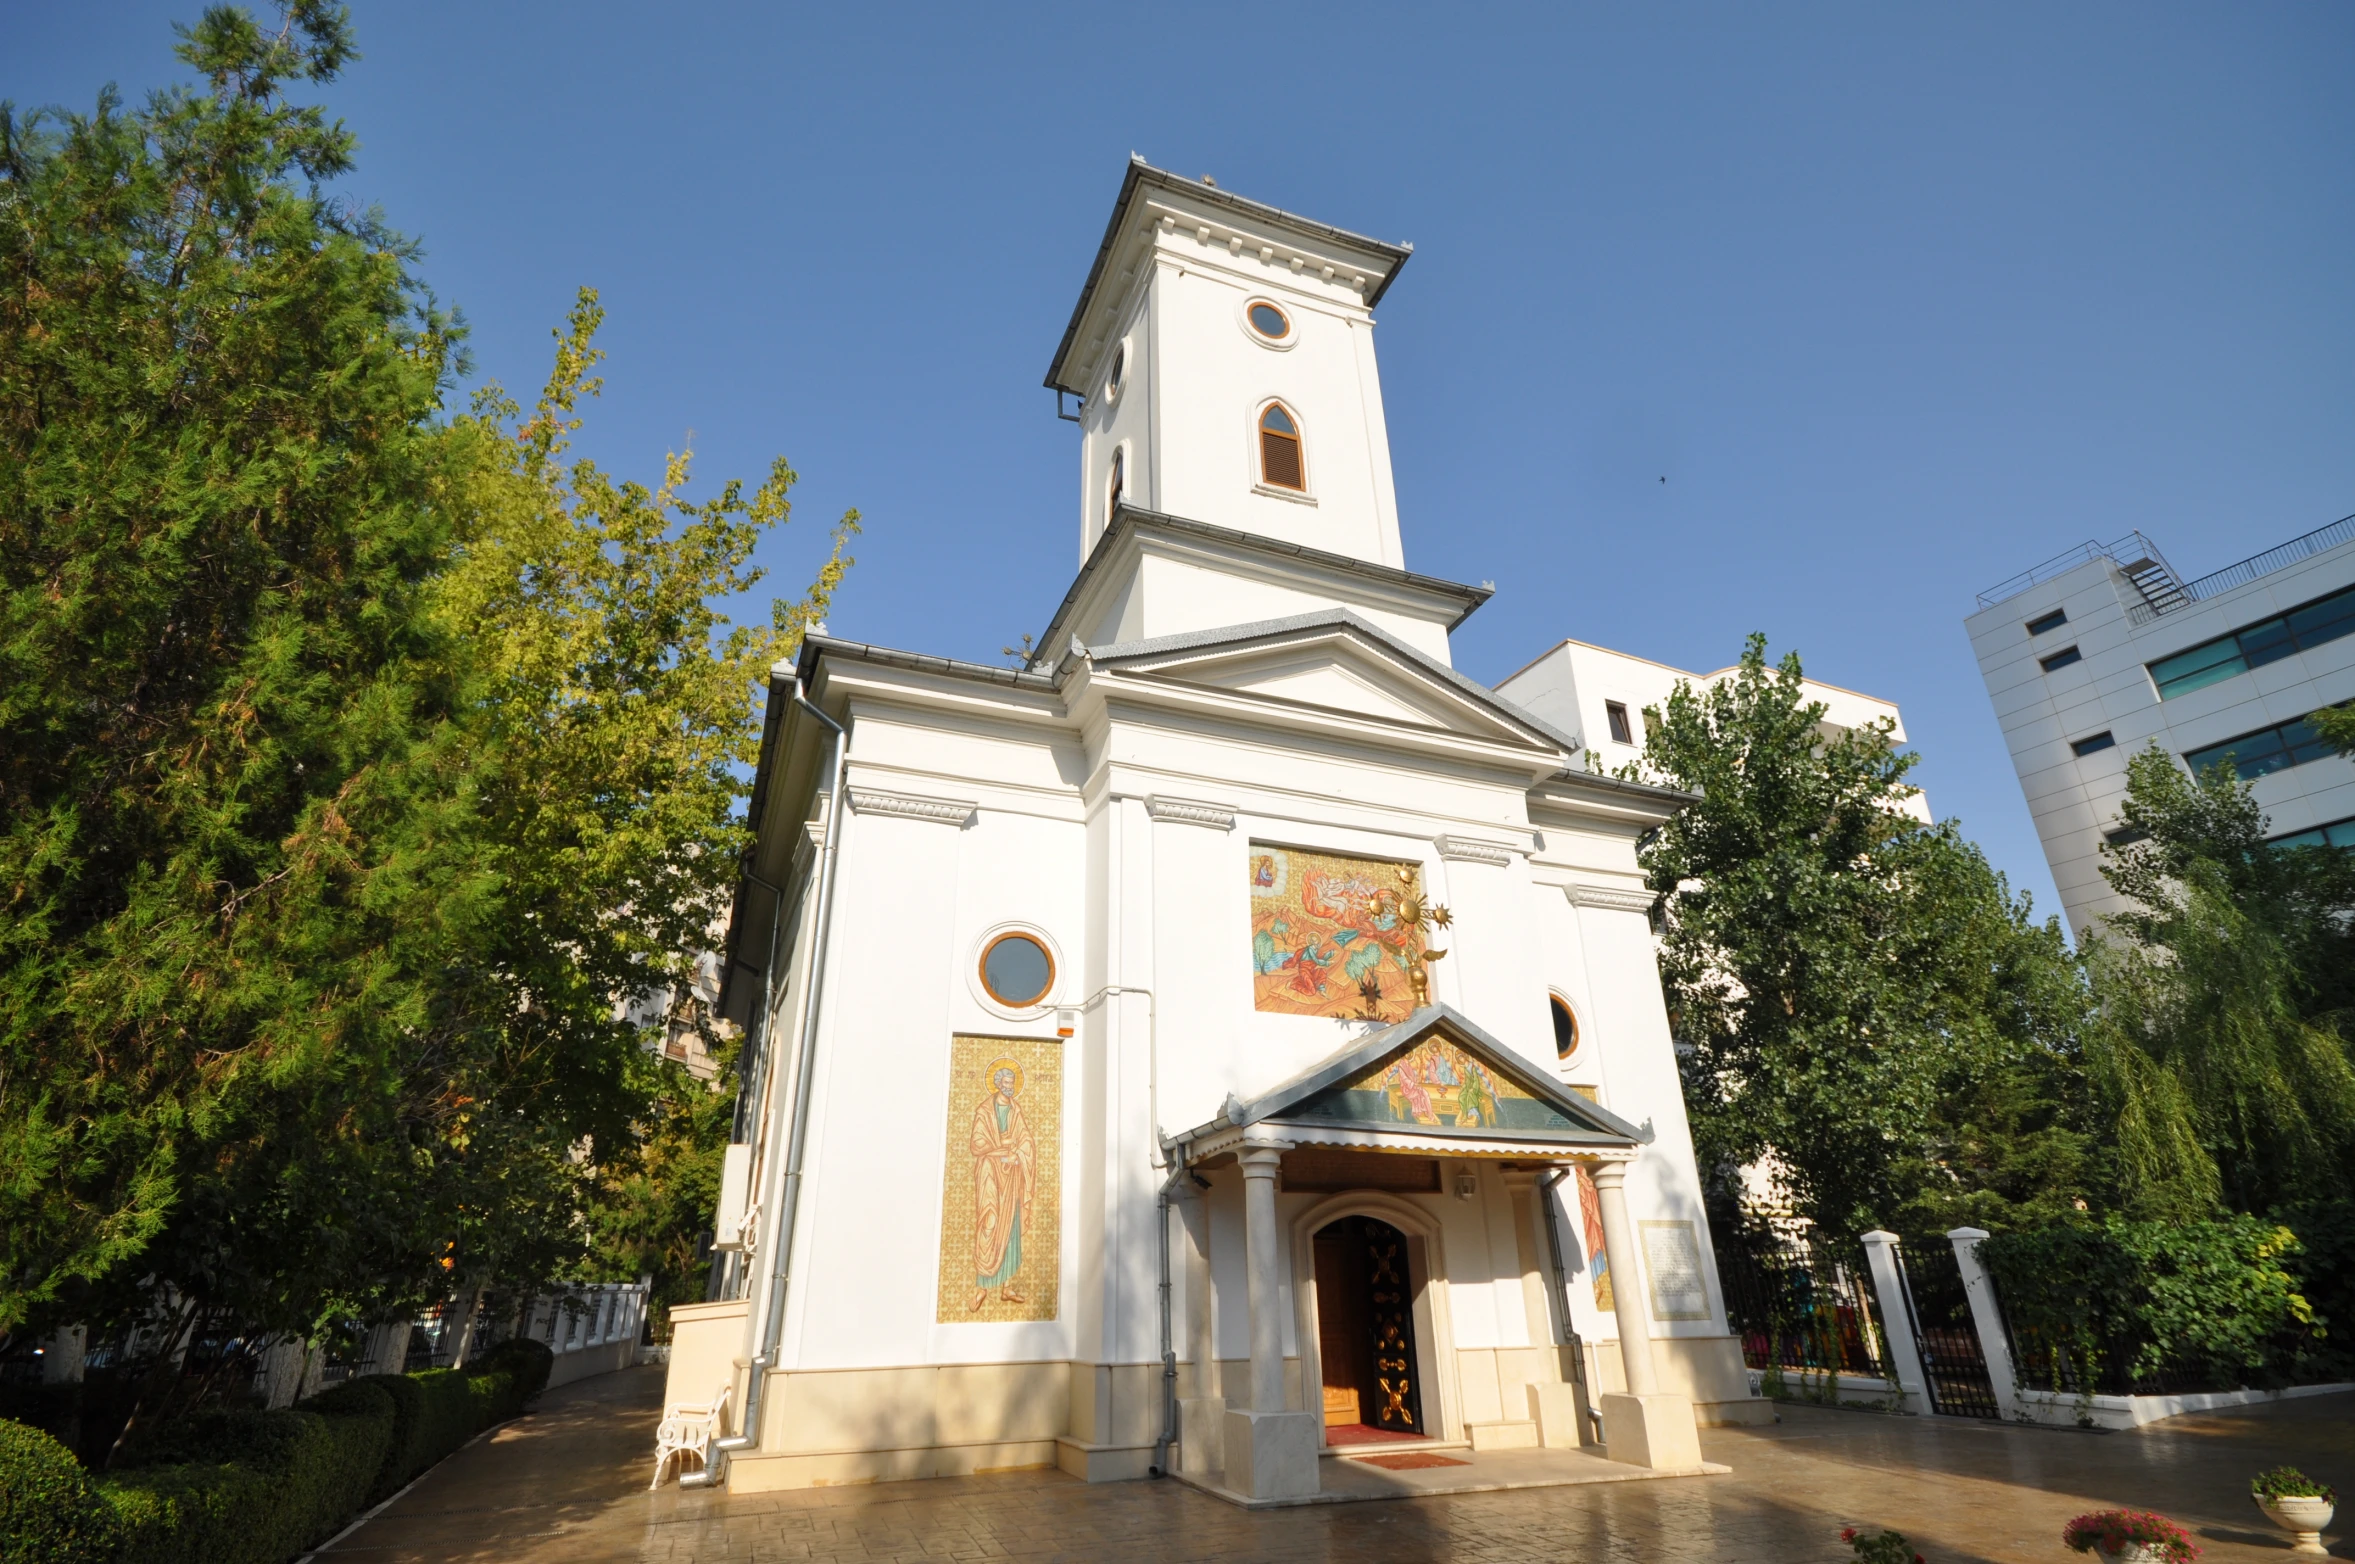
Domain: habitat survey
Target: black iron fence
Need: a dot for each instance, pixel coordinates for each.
(1944, 1332)
(1802, 1310)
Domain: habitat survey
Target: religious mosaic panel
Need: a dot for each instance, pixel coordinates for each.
(1326, 937)
(1598, 1260)
(1440, 1084)
(1001, 1227)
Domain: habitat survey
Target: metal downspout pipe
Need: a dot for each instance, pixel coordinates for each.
(1169, 1374)
(1553, 1238)
(789, 1185)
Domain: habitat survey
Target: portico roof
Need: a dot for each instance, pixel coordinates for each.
(1434, 1083)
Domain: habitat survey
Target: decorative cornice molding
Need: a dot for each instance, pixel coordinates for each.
(941, 811)
(1185, 811)
(1609, 897)
(1466, 849)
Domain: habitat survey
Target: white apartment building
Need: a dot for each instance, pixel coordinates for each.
(2103, 650)
(1599, 696)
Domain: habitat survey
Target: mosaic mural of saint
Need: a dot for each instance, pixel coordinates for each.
(1005, 1168)
(1326, 935)
(1000, 1229)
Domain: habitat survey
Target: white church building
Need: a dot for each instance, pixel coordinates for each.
(1233, 1037)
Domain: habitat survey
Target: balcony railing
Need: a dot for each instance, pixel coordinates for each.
(2218, 582)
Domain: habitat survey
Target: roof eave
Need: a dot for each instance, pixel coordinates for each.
(1141, 172)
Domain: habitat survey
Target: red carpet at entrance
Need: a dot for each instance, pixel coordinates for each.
(1408, 1460)
(1365, 1434)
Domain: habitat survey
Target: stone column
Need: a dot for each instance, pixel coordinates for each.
(1262, 1253)
(1905, 1354)
(1271, 1452)
(1202, 1411)
(1987, 1319)
(1643, 1425)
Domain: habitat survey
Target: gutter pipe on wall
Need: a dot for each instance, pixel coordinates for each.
(1553, 1242)
(789, 1186)
(1169, 1375)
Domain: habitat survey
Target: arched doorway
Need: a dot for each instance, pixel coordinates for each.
(1366, 1332)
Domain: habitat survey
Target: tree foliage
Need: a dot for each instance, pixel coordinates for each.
(2220, 1049)
(355, 759)
(1860, 1003)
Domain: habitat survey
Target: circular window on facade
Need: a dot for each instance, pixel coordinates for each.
(1017, 971)
(1119, 366)
(1565, 1027)
(1268, 321)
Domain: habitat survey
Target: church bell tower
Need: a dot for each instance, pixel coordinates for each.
(1223, 355)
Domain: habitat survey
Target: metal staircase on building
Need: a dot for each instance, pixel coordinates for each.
(2155, 582)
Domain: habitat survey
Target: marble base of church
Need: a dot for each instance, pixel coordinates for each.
(1654, 1431)
(1271, 1455)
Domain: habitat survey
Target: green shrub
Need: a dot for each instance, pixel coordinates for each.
(49, 1512)
(252, 1487)
(445, 1418)
(2106, 1306)
(2326, 1275)
(494, 1394)
(529, 1361)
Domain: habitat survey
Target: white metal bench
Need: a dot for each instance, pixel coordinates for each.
(688, 1431)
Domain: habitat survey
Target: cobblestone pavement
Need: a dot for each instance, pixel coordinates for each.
(568, 1484)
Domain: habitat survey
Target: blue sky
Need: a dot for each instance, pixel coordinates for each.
(1899, 299)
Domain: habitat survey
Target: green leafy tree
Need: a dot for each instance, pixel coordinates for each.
(222, 688)
(356, 761)
(1859, 1002)
(2219, 1048)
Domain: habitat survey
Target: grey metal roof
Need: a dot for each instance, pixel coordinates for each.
(1127, 519)
(1141, 172)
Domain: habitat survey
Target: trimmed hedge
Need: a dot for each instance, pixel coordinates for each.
(249, 1487)
(252, 1487)
(528, 1361)
(50, 1512)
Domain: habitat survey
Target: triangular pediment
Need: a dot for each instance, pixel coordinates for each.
(1334, 662)
(1437, 1074)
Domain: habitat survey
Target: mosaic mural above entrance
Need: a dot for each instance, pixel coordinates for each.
(1439, 1084)
(1001, 1225)
(1326, 935)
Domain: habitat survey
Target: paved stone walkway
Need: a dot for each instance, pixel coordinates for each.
(568, 1484)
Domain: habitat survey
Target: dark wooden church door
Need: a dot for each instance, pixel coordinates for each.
(1366, 1327)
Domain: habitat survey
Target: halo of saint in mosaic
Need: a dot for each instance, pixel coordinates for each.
(1001, 1226)
(1328, 937)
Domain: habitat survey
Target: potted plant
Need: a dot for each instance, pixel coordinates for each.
(2297, 1504)
(2130, 1537)
(1885, 1547)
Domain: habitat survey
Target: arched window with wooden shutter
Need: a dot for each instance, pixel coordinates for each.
(1280, 465)
(1118, 482)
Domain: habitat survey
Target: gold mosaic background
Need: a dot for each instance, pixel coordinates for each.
(1325, 936)
(1040, 1097)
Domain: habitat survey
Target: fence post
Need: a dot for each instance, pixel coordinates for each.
(1905, 1354)
(1987, 1319)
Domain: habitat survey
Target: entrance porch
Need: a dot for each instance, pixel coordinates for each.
(1421, 1130)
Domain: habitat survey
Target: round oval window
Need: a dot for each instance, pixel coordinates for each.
(1017, 970)
(1268, 321)
(1565, 1028)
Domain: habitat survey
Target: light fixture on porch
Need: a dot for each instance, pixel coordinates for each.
(1467, 1185)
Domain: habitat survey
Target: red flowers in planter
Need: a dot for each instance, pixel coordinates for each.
(1887, 1547)
(2113, 1531)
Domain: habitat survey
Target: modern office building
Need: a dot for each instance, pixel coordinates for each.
(2097, 653)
